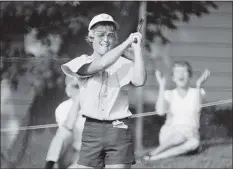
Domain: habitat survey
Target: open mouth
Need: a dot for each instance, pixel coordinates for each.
(181, 79)
(105, 45)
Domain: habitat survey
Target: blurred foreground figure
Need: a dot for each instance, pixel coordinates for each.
(9, 120)
(180, 133)
(65, 146)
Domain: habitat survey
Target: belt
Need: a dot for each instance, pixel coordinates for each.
(102, 121)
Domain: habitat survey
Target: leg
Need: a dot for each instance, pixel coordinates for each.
(178, 150)
(77, 137)
(119, 147)
(174, 140)
(91, 152)
(67, 157)
(57, 147)
(75, 157)
(75, 166)
(122, 166)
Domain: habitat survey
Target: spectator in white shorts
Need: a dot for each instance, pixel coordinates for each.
(180, 133)
(65, 146)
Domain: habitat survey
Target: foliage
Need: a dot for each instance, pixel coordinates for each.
(64, 19)
(33, 31)
(51, 19)
(167, 13)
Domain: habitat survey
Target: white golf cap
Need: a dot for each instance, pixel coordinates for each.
(102, 18)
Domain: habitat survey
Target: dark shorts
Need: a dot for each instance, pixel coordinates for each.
(103, 144)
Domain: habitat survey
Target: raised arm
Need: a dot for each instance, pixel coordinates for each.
(139, 70)
(107, 59)
(161, 104)
(200, 81)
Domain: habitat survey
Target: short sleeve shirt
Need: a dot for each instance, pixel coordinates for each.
(62, 111)
(104, 95)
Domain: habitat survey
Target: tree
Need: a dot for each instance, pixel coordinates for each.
(35, 54)
(42, 22)
(49, 26)
(66, 19)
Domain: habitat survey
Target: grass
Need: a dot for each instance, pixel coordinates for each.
(216, 133)
(215, 154)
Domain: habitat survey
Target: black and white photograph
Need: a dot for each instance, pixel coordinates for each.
(116, 84)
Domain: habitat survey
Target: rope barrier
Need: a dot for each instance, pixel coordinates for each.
(133, 116)
(30, 127)
(203, 105)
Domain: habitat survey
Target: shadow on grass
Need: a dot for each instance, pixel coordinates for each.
(208, 144)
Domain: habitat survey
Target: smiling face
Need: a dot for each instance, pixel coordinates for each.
(104, 38)
(181, 75)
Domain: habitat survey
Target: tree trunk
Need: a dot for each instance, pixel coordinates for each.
(140, 103)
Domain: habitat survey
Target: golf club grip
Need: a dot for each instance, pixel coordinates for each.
(139, 28)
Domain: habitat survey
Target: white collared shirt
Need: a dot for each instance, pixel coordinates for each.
(104, 95)
(184, 110)
(62, 111)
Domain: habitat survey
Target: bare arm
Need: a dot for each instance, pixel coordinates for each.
(107, 59)
(128, 54)
(161, 104)
(72, 115)
(139, 70)
(200, 81)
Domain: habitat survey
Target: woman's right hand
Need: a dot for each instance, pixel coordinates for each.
(161, 80)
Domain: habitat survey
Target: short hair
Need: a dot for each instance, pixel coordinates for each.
(90, 35)
(184, 64)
